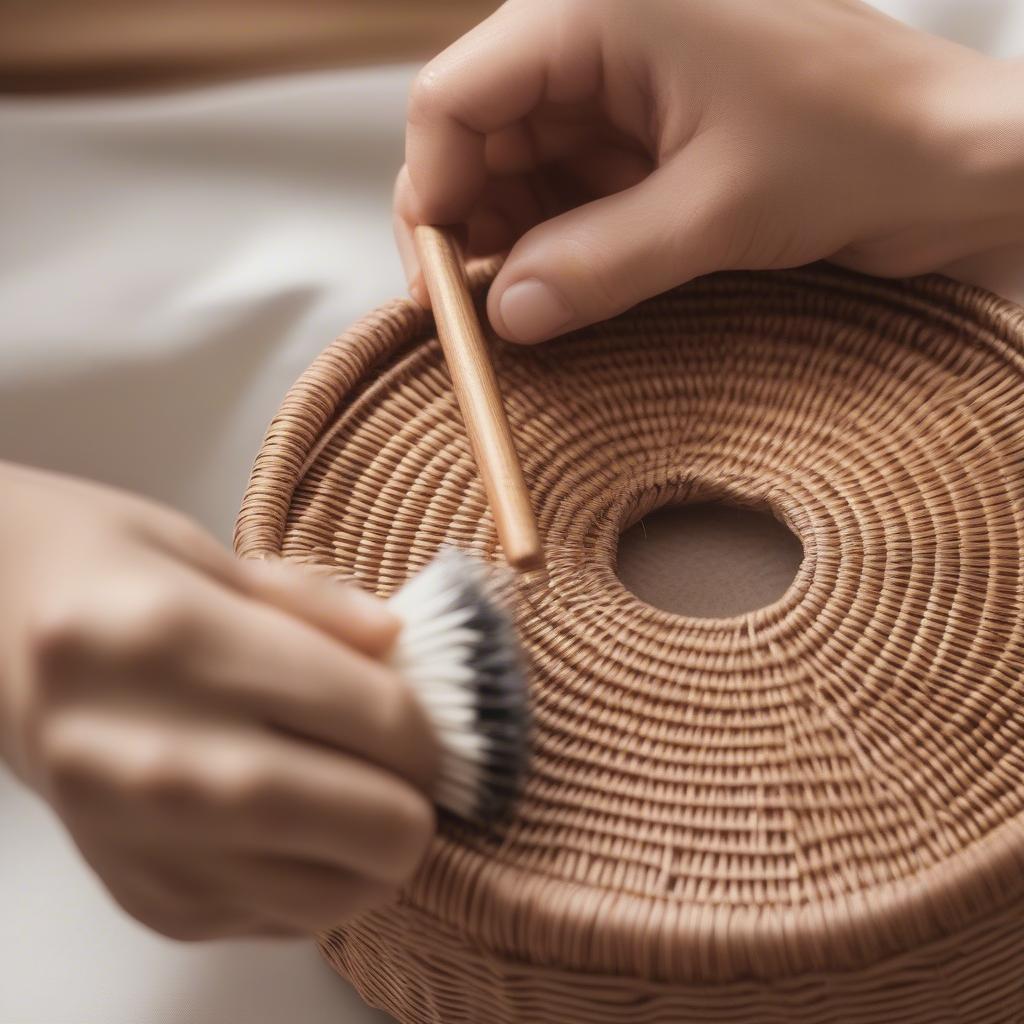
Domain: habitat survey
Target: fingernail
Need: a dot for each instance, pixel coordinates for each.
(532, 310)
(406, 252)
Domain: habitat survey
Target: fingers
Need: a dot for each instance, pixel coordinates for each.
(485, 82)
(281, 671)
(463, 117)
(340, 610)
(206, 829)
(601, 258)
(270, 794)
(183, 540)
(181, 638)
(151, 779)
(487, 111)
(403, 220)
(300, 801)
(510, 205)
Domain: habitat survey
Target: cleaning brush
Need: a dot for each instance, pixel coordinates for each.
(459, 651)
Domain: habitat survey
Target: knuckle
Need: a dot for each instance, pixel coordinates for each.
(87, 766)
(430, 94)
(185, 529)
(59, 638)
(185, 780)
(129, 620)
(158, 772)
(156, 620)
(68, 763)
(198, 782)
(238, 781)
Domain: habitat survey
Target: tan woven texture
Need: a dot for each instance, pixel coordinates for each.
(810, 813)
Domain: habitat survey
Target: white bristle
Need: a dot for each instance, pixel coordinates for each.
(458, 651)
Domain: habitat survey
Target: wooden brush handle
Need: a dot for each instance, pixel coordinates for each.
(476, 390)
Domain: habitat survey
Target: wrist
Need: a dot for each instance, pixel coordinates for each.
(980, 122)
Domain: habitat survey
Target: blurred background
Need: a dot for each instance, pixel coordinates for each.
(55, 45)
(194, 198)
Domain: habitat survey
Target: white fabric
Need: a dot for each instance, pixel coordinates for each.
(168, 265)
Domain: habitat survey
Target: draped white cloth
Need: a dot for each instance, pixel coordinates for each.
(168, 265)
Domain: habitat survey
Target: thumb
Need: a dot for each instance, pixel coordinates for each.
(603, 257)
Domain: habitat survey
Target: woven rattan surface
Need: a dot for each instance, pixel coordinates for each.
(813, 812)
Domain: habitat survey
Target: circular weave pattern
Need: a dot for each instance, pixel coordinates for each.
(809, 810)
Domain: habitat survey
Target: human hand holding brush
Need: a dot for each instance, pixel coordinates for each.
(227, 742)
(620, 148)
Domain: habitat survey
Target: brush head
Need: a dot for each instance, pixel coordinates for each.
(459, 651)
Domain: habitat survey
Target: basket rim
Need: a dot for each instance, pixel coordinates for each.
(851, 930)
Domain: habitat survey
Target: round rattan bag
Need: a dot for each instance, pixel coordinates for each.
(810, 813)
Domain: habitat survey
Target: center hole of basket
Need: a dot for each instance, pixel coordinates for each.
(711, 560)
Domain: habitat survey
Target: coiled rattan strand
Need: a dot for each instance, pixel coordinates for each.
(810, 813)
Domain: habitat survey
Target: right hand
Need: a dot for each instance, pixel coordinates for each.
(616, 149)
(219, 737)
